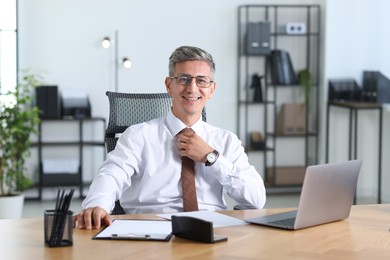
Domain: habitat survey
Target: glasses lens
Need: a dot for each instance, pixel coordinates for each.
(184, 79)
(202, 82)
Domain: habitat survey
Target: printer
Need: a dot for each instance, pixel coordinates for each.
(75, 104)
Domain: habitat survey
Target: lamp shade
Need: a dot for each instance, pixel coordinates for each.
(106, 43)
(126, 63)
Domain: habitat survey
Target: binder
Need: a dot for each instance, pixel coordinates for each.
(257, 39)
(282, 69)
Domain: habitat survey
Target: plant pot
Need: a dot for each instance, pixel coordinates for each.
(11, 206)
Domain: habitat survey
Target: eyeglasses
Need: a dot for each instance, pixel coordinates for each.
(185, 80)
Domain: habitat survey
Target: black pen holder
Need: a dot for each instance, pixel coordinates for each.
(58, 228)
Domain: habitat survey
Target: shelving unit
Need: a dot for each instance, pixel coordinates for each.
(281, 151)
(63, 177)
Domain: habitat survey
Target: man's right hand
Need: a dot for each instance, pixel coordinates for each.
(91, 218)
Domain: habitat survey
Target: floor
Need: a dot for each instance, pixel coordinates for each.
(35, 208)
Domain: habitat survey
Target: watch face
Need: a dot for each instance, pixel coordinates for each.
(211, 157)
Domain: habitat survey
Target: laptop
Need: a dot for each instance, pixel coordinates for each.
(327, 196)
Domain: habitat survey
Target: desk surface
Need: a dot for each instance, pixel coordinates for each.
(356, 105)
(364, 235)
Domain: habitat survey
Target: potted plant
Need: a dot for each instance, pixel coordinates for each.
(18, 119)
(306, 81)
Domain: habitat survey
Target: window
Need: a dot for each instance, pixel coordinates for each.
(8, 45)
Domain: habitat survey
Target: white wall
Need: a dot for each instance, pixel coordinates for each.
(61, 39)
(358, 38)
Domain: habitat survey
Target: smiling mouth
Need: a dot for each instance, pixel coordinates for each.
(191, 98)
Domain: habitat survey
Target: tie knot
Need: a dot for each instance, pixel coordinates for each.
(187, 130)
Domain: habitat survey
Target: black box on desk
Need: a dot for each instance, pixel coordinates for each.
(76, 107)
(48, 101)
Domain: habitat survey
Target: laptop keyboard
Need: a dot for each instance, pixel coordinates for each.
(284, 222)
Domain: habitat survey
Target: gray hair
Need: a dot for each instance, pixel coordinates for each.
(188, 53)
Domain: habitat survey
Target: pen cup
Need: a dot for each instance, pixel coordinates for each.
(58, 228)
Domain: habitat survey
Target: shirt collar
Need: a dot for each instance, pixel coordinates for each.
(176, 125)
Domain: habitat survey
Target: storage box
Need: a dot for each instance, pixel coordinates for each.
(286, 175)
(292, 119)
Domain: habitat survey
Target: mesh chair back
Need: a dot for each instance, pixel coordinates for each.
(127, 109)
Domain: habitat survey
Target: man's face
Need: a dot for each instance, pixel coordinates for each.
(188, 101)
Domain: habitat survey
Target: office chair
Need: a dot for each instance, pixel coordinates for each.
(127, 109)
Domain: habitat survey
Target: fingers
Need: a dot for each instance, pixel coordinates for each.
(185, 137)
(91, 218)
(192, 146)
(185, 142)
(107, 220)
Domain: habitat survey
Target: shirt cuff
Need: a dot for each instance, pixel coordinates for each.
(222, 167)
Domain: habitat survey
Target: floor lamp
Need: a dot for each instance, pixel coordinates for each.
(125, 62)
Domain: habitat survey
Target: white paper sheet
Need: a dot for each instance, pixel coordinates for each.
(137, 229)
(218, 219)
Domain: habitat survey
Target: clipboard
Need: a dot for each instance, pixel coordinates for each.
(127, 229)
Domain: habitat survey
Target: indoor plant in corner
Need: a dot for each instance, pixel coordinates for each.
(18, 119)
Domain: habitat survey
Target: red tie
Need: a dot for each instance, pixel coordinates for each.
(190, 202)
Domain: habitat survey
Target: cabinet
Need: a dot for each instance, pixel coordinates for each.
(66, 171)
(273, 29)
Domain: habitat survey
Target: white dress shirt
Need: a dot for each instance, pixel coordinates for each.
(144, 171)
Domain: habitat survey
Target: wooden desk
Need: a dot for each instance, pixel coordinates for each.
(364, 235)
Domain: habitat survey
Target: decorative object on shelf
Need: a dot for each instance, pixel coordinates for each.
(256, 85)
(282, 69)
(257, 141)
(295, 28)
(18, 119)
(125, 62)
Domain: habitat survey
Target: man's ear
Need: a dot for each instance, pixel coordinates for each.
(168, 82)
(212, 89)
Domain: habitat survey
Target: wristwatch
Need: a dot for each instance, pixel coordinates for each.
(211, 158)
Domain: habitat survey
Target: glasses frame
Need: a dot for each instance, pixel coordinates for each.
(192, 77)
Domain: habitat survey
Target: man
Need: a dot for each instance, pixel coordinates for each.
(144, 170)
